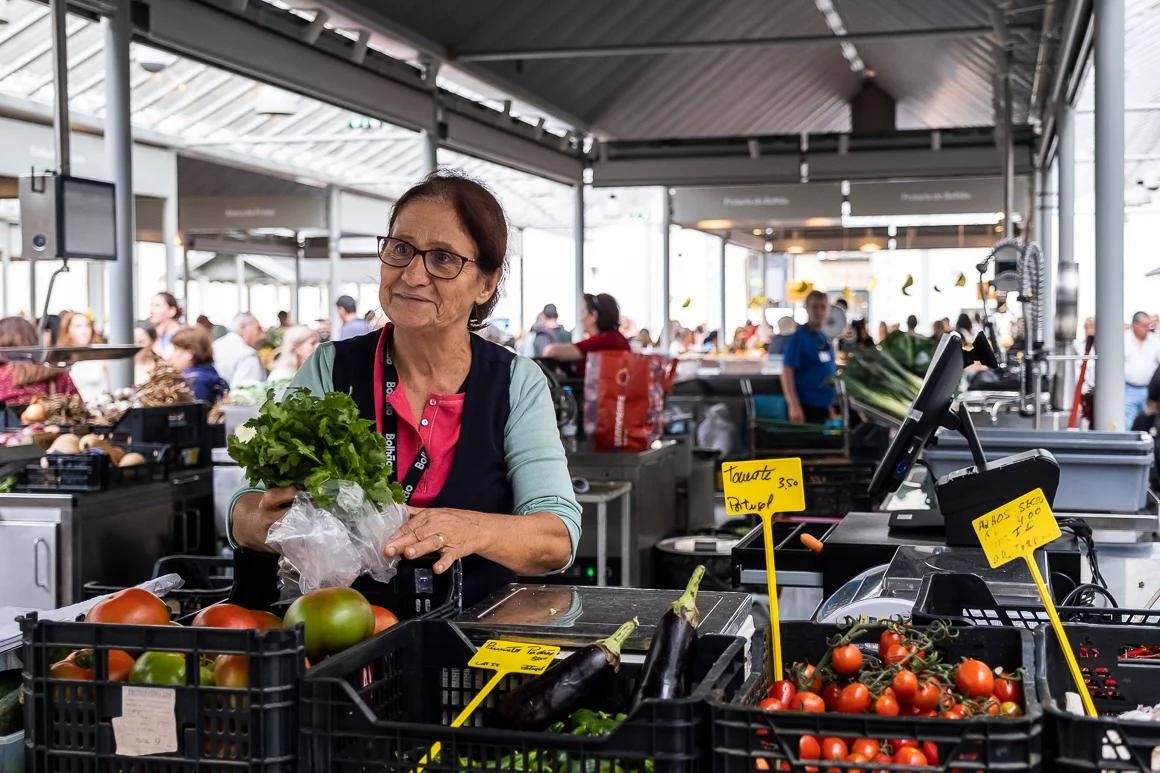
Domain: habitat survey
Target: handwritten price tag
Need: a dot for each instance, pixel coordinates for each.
(148, 724)
(514, 657)
(1017, 528)
(763, 487)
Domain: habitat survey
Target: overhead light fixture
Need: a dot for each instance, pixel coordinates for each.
(273, 101)
(714, 225)
(869, 247)
(892, 244)
(5, 12)
(757, 232)
(769, 246)
(148, 59)
(795, 249)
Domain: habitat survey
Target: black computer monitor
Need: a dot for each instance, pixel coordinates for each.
(926, 415)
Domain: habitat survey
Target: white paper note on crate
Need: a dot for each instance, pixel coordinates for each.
(148, 722)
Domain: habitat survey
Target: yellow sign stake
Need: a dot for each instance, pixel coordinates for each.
(1015, 530)
(764, 488)
(503, 657)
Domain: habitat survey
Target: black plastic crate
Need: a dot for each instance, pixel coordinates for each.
(965, 599)
(746, 738)
(184, 428)
(1116, 684)
(89, 472)
(380, 707)
(208, 580)
(832, 490)
(69, 723)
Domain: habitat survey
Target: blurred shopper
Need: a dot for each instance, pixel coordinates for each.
(965, 328)
(938, 328)
(91, 377)
(1141, 358)
(352, 324)
(854, 337)
(144, 338)
(21, 382)
(236, 353)
(165, 316)
(785, 331)
(51, 334)
(883, 330)
(808, 366)
(911, 325)
(600, 318)
(298, 343)
(284, 319)
(547, 330)
(192, 354)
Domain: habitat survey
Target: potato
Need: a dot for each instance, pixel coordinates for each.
(67, 443)
(33, 413)
(91, 441)
(131, 459)
(115, 454)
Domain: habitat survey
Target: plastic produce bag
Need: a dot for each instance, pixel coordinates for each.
(332, 547)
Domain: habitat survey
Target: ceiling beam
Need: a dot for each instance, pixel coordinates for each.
(696, 46)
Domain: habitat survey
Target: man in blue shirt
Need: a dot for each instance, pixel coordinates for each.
(807, 366)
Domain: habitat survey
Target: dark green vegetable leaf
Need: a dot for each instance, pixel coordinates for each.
(308, 441)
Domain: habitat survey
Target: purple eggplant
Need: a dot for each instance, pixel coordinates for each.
(665, 672)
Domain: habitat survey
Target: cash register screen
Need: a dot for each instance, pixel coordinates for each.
(88, 219)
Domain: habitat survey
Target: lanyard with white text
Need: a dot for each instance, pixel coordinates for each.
(387, 423)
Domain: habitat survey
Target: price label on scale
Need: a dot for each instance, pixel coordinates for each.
(764, 488)
(1016, 530)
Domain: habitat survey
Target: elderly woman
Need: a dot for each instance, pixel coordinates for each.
(298, 343)
(472, 426)
(192, 354)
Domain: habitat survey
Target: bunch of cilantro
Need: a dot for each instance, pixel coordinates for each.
(310, 441)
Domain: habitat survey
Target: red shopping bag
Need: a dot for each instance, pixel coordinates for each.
(624, 399)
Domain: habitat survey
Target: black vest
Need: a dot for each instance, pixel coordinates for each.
(478, 479)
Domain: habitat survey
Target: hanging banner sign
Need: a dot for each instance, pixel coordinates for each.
(750, 206)
(934, 197)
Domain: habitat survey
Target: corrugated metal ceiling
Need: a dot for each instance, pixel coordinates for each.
(937, 82)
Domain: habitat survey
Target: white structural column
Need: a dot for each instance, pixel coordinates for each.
(578, 225)
(1045, 190)
(296, 291)
(1068, 279)
(721, 337)
(119, 148)
(666, 264)
(1109, 125)
(169, 237)
(334, 255)
(240, 282)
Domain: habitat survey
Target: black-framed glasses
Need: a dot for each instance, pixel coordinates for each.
(441, 264)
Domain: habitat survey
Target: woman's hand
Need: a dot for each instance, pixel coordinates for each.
(453, 533)
(255, 513)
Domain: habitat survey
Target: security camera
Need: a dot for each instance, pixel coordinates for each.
(151, 60)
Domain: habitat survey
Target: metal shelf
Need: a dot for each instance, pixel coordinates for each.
(64, 356)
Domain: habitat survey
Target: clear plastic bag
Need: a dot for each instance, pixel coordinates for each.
(334, 546)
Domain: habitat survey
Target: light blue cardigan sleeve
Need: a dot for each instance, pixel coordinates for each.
(536, 466)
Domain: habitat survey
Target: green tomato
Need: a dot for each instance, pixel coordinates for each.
(335, 619)
(159, 668)
(205, 675)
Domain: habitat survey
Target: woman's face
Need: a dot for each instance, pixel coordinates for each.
(587, 318)
(160, 311)
(410, 297)
(80, 330)
(180, 358)
(306, 348)
(144, 343)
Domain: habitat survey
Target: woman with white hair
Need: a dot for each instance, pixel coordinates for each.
(298, 343)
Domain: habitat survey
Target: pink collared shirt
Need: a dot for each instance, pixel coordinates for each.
(437, 430)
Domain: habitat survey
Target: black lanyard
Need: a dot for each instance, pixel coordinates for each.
(387, 422)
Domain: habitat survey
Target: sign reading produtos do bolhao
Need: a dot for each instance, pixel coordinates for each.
(764, 488)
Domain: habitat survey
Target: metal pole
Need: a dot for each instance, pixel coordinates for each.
(523, 321)
(95, 276)
(1043, 230)
(334, 254)
(666, 261)
(1109, 135)
(119, 148)
(240, 281)
(1008, 151)
(578, 225)
(60, 126)
(169, 237)
(1068, 285)
(721, 338)
(430, 151)
(299, 254)
(5, 264)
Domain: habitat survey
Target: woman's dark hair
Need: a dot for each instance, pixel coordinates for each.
(197, 342)
(480, 214)
(963, 322)
(17, 331)
(146, 326)
(606, 309)
(52, 327)
(171, 301)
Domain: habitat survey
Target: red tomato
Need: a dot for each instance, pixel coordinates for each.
(231, 671)
(909, 756)
(67, 669)
(808, 701)
(783, 690)
(131, 606)
(886, 706)
(813, 679)
(847, 659)
(830, 695)
(266, 620)
(770, 704)
(120, 663)
(894, 654)
(903, 743)
(927, 695)
(904, 684)
(1008, 689)
(925, 713)
(990, 707)
(226, 616)
(866, 746)
(809, 748)
(834, 749)
(384, 618)
(854, 699)
(887, 638)
(930, 751)
(957, 711)
(855, 757)
(974, 678)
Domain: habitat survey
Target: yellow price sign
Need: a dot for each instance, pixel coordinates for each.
(503, 657)
(764, 488)
(1014, 531)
